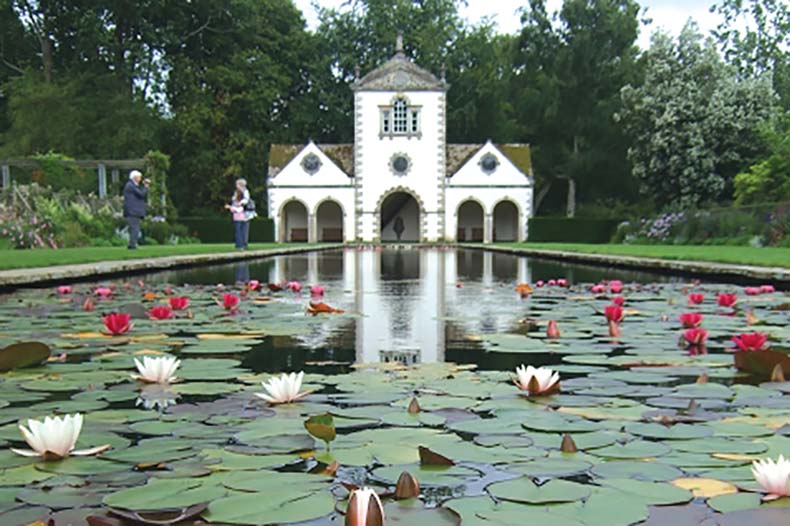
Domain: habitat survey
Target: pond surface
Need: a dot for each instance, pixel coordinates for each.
(665, 432)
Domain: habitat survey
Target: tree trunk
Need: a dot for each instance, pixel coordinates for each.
(571, 201)
(46, 57)
(541, 196)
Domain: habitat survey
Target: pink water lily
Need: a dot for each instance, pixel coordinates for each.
(562, 282)
(254, 284)
(64, 289)
(103, 292)
(317, 291)
(230, 302)
(767, 289)
(552, 330)
(752, 291)
(294, 286)
(615, 286)
(600, 288)
(552, 283)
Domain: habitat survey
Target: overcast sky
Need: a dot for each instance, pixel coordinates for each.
(669, 14)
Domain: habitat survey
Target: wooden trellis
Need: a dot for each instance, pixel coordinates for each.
(101, 166)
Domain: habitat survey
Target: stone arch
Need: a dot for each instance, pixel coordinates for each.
(470, 220)
(506, 220)
(329, 224)
(420, 208)
(294, 221)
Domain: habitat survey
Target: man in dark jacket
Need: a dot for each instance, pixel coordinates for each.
(135, 194)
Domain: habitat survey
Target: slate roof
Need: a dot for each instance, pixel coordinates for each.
(399, 74)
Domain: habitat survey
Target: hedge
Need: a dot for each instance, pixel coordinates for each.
(220, 229)
(571, 230)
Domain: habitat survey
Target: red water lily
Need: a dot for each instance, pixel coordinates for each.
(751, 341)
(695, 336)
(690, 319)
(230, 301)
(117, 323)
(727, 299)
(618, 300)
(179, 303)
(613, 313)
(161, 312)
(552, 330)
(695, 298)
(615, 286)
(275, 287)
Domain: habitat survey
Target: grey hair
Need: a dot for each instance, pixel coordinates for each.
(135, 173)
(242, 181)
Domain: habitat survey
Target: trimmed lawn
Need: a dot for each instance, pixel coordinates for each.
(14, 259)
(764, 257)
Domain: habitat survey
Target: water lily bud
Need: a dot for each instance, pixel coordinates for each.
(407, 487)
(553, 330)
(568, 445)
(364, 509)
(778, 374)
(703, 378)
(414, 406)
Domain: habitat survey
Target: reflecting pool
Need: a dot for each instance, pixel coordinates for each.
(661, 394)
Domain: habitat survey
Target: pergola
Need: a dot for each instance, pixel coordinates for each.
(100, 165)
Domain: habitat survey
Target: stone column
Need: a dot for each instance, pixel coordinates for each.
(488, 228)
(6, 177)
(102, 181)
(311, 228)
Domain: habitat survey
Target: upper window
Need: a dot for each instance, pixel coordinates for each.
(400, 118)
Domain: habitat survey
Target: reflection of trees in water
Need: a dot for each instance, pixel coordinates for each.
(469, 264)
(505, 267)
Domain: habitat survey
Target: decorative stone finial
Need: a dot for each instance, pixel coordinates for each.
(444, 72)
(399, 43)
(357, 72)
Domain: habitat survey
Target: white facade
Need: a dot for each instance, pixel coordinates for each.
(400, 180)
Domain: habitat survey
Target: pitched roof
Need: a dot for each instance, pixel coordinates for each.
(399, 74)
(340, 154)
(459, 154)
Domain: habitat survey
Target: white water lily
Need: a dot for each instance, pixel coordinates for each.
(364, 509)
(54, 438)
(284, 389)
(158, 370)
(774, 477)
(537, 380)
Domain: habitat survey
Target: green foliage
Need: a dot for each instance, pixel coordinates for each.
(570, 69)
(768, 179)
(57, 175)
(220, 229)
(156, 166)
(693, 121)
(571, 230)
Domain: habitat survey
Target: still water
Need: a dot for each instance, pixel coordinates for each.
(411, 305)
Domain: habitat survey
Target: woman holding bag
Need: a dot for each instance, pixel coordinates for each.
(243, 209)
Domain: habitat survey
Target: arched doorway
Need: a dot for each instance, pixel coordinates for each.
(506, 221)
(399, 218)
(294, 222)
(329, 222)
(470, 221)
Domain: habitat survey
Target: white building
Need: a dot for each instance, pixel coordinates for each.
(400, 180)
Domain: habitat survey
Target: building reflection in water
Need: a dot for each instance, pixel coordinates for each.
(404, 304)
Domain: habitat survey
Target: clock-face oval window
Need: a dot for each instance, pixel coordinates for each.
(400, 164)
(489, 163)
(311, 163)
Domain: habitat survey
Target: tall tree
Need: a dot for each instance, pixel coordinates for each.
(571, 67)
(693, 122)
(238, 68)
(755, 37)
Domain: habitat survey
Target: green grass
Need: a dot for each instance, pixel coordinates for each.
(15, 259)
(764, 257)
